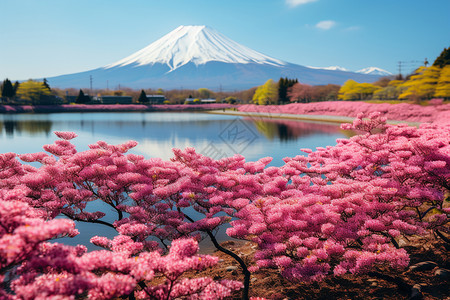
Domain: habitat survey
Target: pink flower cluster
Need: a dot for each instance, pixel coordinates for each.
(343, 208)
(340, 209)
(31, 268)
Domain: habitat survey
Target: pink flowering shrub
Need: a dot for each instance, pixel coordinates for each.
(31, 268)
(345, 207)
(340, 209)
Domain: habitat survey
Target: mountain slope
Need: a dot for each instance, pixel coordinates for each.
(334, 68)
(197, 44)
(374, 71)
(195, 57)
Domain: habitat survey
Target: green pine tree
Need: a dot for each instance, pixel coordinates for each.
(283, 85)
(46, 84)
(443, 59)
(7, 89)
(81, 98)
(16, 87)
(143, 97)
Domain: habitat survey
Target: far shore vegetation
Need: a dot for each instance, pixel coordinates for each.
(425, 83)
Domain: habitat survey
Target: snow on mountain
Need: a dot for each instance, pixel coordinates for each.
(197, 44)
(374, 71)
(192, 57)
(333, 68)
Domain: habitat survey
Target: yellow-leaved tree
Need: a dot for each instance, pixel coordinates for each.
(346, 90)
(443, 84)
(32, 91)
(266, 93)
(352, 90)
(422, 84)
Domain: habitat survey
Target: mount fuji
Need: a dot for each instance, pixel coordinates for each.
(199, 57)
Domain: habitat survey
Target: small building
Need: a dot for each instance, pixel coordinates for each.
(156, 99)
(209, 100)
(108, 99)
(199, 101)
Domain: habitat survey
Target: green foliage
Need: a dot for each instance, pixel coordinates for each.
(7, 89)
(45, 83)
(231, 100)
(143, 97)
(266, 93)
(82, 98)
(16, 87)
(32, 91)
(443, 59)
(283, 85)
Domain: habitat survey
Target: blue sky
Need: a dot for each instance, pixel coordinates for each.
(53, 37)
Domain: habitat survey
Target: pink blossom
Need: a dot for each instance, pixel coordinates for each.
(65, 135)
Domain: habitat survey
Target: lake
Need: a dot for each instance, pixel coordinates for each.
(157, 133)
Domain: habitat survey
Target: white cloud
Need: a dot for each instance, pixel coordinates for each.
(325, 25)
(294, 3)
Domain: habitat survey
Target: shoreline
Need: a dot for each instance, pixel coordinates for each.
(67, 108)
(309, 118)
(220, 109)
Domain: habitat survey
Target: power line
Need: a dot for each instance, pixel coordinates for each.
(403, 64)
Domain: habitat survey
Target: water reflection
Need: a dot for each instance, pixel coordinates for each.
(286, 130)
(283, 130)
(10, 127)
(158, 133)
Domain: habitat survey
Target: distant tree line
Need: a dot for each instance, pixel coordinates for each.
(28, 92)
(424, 83)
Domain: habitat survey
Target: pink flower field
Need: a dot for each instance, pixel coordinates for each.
(398, 112)
(109, 108)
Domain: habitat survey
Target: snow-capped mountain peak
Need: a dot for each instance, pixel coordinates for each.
(333, 68)
(195, 57)
(197, 44)
(374, 71)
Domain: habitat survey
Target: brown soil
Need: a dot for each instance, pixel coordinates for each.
(385, 283)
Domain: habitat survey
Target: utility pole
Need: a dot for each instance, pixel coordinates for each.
(400, 68)
(90, 79)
